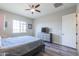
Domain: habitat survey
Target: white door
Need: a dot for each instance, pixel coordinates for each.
(69, 30)
(78, 33)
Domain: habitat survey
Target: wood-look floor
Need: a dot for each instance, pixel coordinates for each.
(57, 50)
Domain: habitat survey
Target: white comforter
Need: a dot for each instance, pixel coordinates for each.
(11, 42)
(20, 44)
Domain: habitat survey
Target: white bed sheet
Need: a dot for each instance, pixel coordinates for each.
(15, 41)
(19, 45)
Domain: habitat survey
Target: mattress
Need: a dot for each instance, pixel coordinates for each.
(19, 45)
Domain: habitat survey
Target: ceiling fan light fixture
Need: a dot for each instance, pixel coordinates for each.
(32, 10)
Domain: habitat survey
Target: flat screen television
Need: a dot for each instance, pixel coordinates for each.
(45, 30)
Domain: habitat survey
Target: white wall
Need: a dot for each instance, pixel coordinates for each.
(11, 16)
(53, 22)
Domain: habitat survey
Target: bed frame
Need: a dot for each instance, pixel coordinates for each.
(35, 51)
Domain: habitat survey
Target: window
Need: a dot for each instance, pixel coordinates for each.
(19, 26)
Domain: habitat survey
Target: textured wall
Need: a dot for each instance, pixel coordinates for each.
(9, 17)
(53, 22)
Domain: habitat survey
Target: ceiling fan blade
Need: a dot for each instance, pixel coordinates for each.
(32, 6)
(37, 10)
(27, 9)
(37, 6)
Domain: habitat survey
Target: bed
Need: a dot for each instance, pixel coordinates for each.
(17, 46)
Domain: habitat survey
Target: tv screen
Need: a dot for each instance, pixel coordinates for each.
(45, 30)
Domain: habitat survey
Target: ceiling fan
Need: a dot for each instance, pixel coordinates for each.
(33, 8)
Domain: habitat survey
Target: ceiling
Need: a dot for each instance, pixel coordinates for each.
(45, 8)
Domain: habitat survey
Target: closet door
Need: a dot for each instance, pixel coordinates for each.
(1, 24)
(78, 34)
(69, 30)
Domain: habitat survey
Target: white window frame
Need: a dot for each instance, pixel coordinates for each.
(19, 26)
